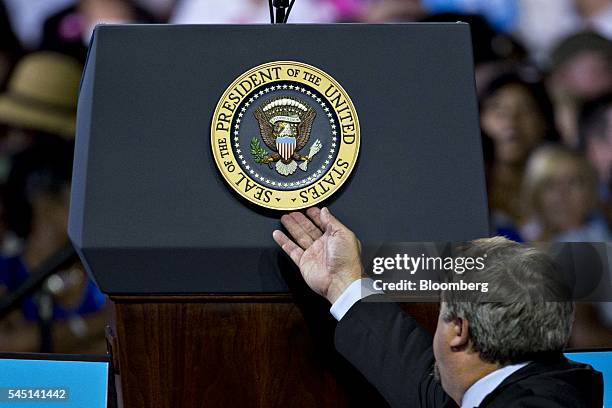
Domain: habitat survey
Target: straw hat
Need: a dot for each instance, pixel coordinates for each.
(42, 94)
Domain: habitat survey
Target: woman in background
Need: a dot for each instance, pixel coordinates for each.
(561, 201)
(37, 112)
(516, 118)
(561, 198)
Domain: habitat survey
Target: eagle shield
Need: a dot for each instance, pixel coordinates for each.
(286, 146)
(285, 124)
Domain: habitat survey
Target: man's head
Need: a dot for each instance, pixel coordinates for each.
(517, 319)
(595, 130)
(581, 67)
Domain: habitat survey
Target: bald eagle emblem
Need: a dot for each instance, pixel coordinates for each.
(285, 124)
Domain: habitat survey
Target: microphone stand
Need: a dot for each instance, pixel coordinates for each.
(60, 260)
(36, 283)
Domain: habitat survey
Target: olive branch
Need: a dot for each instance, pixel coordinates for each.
(258, 152)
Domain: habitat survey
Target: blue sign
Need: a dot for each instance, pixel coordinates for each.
(602, 362)
(501, 14)
(53, 384)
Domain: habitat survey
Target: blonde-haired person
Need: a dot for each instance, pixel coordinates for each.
(560, 194)
(561, 198)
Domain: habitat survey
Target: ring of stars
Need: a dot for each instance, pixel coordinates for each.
(264, 179)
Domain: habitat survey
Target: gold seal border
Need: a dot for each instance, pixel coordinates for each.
(347, 153)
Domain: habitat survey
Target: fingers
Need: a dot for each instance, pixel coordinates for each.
(315, 215)
(303, 231)
(290, 247)
(307, 225)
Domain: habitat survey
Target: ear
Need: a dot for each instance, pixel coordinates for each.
(460, 332)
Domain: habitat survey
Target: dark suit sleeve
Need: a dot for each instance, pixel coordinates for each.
(393, 352)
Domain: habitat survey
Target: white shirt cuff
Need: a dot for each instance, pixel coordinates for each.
(356, 291)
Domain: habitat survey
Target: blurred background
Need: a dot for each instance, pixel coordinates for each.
(544, 81)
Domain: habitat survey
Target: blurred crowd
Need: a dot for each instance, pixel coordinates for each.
(543, 78)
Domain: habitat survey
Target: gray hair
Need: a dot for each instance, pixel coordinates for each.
(527, 310)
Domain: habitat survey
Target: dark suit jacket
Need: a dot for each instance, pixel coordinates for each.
(395, 354)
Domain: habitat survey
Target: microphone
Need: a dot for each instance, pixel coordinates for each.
(281, 6)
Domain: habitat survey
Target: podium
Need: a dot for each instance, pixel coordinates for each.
(208, 312)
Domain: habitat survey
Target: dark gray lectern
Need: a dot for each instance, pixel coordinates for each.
(208, 312)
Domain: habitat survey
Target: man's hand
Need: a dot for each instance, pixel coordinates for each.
(327, 253)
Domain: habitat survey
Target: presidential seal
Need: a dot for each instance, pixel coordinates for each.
(285, 135)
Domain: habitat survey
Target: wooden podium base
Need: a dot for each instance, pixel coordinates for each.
(234, 351)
